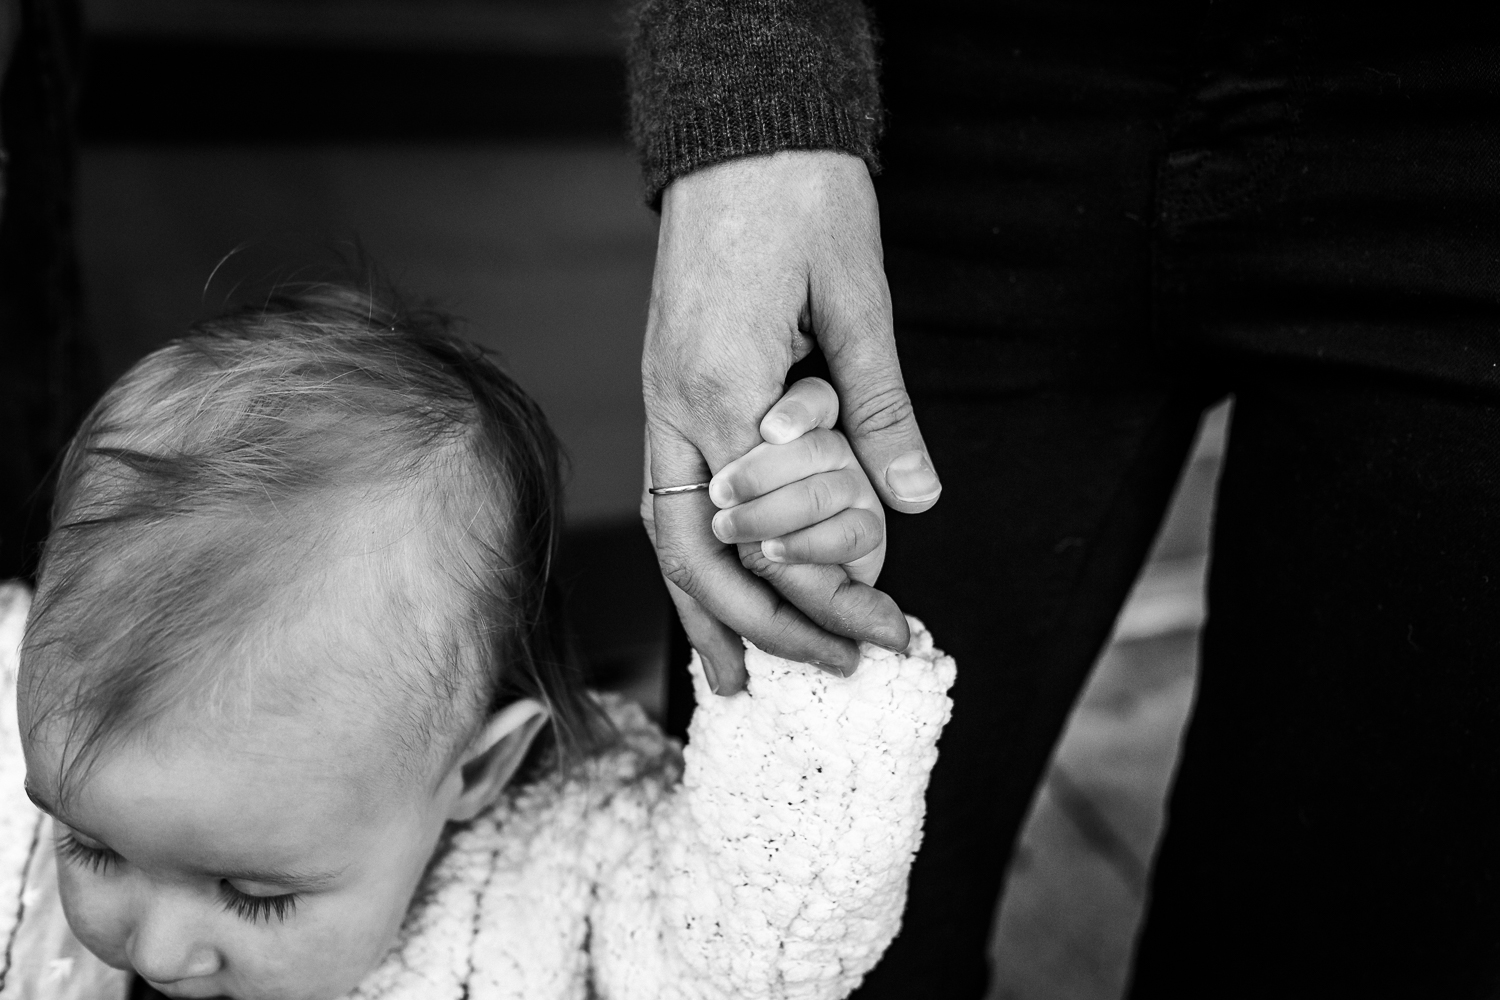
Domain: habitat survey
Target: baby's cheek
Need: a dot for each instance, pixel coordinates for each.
(326, 949)
(334, 940)
(97, 912)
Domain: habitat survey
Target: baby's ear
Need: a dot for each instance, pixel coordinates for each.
(491, 760)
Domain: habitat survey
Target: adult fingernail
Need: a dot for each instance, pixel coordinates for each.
(710, 674)
(773, 549)
(832, 668)
(911, 477)
(722, 527)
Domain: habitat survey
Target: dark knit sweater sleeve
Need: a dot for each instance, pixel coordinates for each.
(711, 80)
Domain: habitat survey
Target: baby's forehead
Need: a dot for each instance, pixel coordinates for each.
(340, 707)
(348, 629)
(266, 786)
(375, 629)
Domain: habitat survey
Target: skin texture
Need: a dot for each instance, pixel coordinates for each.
(310, 792)
(758, 260)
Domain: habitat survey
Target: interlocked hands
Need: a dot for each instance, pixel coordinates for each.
(759, 259)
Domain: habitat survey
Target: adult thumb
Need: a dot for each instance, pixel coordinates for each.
(877, 416)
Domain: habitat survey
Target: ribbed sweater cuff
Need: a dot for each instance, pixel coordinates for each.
(761, 123)
(712, 80)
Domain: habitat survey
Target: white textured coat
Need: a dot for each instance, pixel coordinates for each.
(768, 859)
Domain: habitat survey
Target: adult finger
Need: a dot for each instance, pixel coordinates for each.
(809, 403)
(721, 650)
(854, 309)
(832, 600)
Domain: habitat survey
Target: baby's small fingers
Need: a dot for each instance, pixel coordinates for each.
(792, 507)
(846, 536)
(810, 403)
(768, 467)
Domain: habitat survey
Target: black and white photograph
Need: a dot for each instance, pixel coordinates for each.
(749, 500)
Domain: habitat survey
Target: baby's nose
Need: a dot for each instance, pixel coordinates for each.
(165, 947)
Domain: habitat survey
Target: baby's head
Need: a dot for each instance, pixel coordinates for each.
(292, 619)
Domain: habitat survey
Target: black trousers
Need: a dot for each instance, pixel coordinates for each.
(1100, 217)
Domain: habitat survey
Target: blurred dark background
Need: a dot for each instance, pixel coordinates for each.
(170, 157)
(472, 150)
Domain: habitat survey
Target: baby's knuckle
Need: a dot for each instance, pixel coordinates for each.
(747, 484)
(821, 498)
(825, 448)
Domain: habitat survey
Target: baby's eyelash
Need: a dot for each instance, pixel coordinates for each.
(257, 908)
(247, 907)
(96, 859)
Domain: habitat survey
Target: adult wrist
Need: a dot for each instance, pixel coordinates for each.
(713, 80)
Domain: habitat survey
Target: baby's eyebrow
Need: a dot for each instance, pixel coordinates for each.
(299, 881)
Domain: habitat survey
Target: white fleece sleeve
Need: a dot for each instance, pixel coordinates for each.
(777, 869)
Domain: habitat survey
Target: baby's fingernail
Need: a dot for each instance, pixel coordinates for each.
(773, 549)
(722, 527)
(720, 493)
(778, 428)
(911, 477)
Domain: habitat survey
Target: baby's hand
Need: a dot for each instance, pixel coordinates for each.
(802, 494)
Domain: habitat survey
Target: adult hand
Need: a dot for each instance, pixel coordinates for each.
(758, 259)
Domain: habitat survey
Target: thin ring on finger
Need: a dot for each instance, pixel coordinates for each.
(668, 491)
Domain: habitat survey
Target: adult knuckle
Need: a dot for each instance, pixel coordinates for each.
(859, 607)
(784, 624)
(888, 408)
(695, 396)
(679, 569)
(753, 559)
(704, 392)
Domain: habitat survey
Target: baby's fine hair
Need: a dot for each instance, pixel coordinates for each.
(204, 481)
